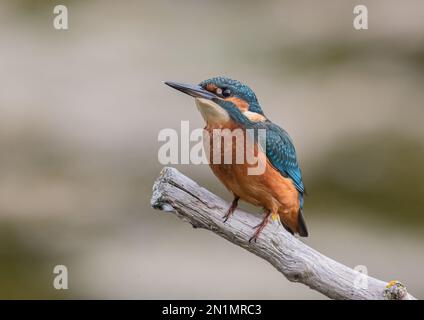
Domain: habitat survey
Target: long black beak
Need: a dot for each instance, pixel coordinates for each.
(194, 91)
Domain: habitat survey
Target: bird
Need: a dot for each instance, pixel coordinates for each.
(225, 103)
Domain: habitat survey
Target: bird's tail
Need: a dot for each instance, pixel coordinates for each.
(301, 224)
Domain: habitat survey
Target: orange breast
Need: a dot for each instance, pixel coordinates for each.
(269, 190)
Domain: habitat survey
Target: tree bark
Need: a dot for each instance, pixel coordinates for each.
(174, 192)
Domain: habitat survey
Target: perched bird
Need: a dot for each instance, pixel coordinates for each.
(229, 104)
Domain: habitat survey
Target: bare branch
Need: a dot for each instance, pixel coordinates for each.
(175, 192)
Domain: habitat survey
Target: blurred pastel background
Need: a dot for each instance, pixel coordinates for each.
(80, 112)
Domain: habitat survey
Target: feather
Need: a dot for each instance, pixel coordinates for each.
(281, 153)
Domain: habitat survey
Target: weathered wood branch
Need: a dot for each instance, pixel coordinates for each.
(175, 192)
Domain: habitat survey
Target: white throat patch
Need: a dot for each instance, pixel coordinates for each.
(212, 112)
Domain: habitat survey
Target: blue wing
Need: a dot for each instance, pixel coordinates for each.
(281, 153)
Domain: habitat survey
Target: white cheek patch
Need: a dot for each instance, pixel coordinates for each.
(253, 116)
(212, 112)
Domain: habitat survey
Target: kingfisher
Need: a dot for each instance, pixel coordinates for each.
(225, 103)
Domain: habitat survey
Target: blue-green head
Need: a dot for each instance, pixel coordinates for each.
(236, 99)
(233, 91)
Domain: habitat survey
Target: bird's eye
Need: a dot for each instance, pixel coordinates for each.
(226, 93)
(218, 91)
